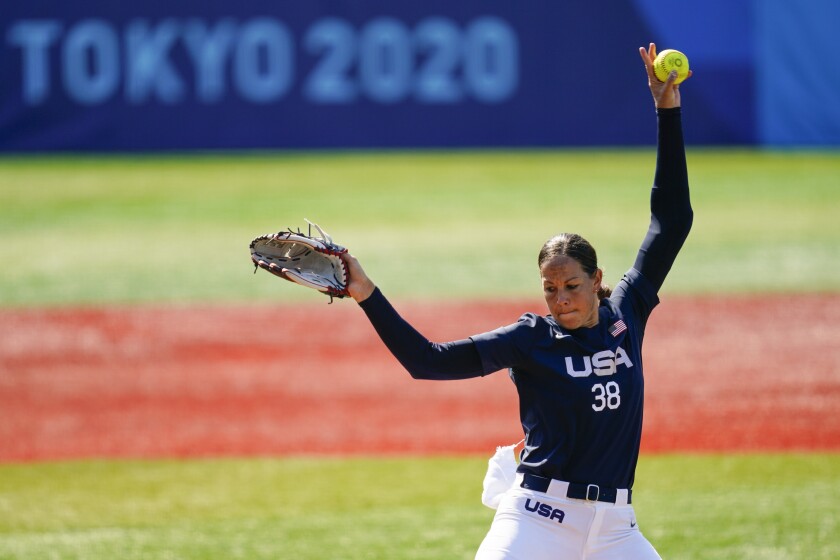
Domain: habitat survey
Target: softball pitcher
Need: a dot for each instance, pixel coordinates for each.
(578, 372)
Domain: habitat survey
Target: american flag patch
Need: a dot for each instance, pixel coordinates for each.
(617, 328)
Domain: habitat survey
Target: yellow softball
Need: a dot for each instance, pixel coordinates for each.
(668, 60)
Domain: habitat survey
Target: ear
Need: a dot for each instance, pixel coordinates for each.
(599, 276)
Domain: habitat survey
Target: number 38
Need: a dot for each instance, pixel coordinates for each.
(606, 396)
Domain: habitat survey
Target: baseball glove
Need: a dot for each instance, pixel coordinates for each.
(311, 261)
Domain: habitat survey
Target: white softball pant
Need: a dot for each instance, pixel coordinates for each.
(531, 525)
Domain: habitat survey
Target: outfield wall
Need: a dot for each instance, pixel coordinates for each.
(120, 76)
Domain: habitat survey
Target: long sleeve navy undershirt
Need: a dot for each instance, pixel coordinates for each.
(671, 217)
(670, 205)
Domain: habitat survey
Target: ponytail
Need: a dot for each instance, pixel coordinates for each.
(604, 291)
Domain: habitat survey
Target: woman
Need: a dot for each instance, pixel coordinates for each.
(578, 372)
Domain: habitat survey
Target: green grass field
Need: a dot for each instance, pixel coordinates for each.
(99, 231)
(691, 507)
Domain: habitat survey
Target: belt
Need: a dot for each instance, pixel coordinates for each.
(588, 492)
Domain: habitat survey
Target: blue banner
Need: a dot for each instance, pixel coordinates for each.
(119, 76)
(797, 73)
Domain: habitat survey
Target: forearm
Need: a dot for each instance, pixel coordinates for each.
(420, 357)
(671, 176)
(670, 204)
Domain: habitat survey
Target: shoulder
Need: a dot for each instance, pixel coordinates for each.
(510, 345)
(523, 333)
(529, 325)
(531, 320)
(636, 291)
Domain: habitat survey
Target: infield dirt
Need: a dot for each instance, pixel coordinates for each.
(722, 374)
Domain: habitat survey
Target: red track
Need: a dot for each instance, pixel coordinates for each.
(723, 374)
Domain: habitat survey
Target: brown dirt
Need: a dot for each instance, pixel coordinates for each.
(723, 374)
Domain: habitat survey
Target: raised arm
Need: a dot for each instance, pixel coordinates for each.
(670, 204)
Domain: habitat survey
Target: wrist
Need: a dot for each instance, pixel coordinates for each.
(363, 292)
(668, 111)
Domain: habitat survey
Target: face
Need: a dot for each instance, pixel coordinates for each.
(571, 294)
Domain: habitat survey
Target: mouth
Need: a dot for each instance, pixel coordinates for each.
(565, 318)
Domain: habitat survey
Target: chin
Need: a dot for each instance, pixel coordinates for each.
(567, 322)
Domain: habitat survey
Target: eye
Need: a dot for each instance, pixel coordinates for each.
(573, 287)
(549, 289)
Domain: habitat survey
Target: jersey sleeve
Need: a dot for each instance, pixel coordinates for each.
(670, 204)
(636, 294)
(506, 346)
(422, 358)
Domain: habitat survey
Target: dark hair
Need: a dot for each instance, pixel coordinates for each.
(576, 247)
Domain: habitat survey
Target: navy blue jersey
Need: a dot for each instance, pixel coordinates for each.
(581, 392)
